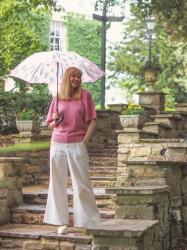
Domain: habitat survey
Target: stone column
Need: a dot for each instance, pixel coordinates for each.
(10, 185)
(152, 100)
(126, 234)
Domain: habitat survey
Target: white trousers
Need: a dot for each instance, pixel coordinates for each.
(75, 157)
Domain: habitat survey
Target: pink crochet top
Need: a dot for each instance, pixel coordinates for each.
(76, 115)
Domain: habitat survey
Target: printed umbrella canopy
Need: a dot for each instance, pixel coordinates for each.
(48, 67)
(44, 67)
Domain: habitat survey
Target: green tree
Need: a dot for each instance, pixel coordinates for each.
(84, 37)
(130, 56)
(171, 13)
(24, 28)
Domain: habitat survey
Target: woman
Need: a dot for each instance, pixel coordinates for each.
(68, 150)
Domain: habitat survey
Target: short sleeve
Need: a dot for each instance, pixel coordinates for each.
(49, 117)
(89, 106)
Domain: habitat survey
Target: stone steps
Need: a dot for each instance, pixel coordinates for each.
(130, 233)
(42, 237)
(162, 129)
(37, 195)
(103, 162)
(104, 153)
(34, 214)
(97, 181)
(169, 119)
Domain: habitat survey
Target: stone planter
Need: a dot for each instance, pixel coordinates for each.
(132, 121)
(117, 107)
(28, 125)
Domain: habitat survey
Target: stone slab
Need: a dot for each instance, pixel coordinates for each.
(76, 235)
(137, 190)
(121, 228)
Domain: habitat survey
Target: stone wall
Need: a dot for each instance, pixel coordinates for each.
(35, 164)
(184, 200)
(10, 185)
(104, 135)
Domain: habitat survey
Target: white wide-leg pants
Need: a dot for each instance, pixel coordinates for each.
(75, 157)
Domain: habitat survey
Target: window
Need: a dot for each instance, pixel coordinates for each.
(55, 38)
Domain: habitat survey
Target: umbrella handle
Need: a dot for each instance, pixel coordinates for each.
(57, 71)
(61, 116)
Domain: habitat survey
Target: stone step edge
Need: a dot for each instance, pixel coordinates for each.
(40, 209)
(165, 140)
(166, 115)
(42, 194)
(136, 131)
(137, 190)
(107, 178)
(41, 232)
(123, 228)
(157, 124)
(164, 162)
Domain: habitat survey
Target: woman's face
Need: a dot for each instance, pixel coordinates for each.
(75, 79)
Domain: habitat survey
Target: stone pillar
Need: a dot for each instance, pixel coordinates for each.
(144, 203)
(117, 107)
(104, 136)
(184, 198)
(126, 234)
(181, 107)
(152, 100)
(10, 185)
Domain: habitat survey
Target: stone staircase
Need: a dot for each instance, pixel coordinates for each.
(141, 195)
(26, 229)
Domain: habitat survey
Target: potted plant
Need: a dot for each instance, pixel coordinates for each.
(133, 116)
(26, 120)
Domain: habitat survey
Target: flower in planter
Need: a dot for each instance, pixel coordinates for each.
(133, 109)
(132, 116)
(26, 114)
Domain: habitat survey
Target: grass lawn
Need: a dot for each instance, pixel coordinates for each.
(34, 146)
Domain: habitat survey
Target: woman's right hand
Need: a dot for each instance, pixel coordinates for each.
(56, 116)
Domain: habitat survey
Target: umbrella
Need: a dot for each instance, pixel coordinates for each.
(48, 67)
(42, 67)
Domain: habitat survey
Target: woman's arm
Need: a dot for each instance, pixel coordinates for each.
(53, 123)
(90, 130)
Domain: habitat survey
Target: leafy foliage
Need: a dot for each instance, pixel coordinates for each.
(34, 103)
(24, 27)
(130, 56)
(23, 105)
(24, 30)
(84, 37)
(171, 13)
(7, 114)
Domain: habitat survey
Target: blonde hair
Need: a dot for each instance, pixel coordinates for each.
(65, 91)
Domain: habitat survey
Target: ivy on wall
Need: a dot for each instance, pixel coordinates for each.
(84, 37)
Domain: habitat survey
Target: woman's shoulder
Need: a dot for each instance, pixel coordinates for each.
(85, 93)
(54, 100)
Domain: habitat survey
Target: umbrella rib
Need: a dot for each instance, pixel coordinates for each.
(35, 71)
(87, 72)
